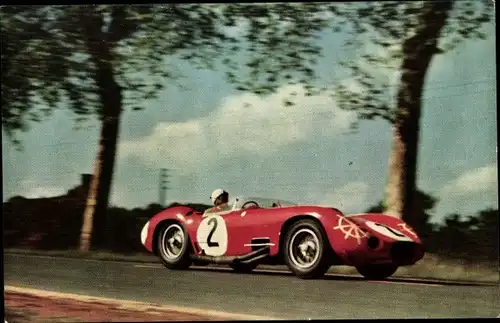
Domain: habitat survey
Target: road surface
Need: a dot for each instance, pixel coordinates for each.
(281, 295)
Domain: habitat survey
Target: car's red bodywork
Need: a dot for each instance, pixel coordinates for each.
(350, 237)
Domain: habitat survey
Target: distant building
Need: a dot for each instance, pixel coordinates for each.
(81, 190)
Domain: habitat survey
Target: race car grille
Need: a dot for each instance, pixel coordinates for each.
(403, 252)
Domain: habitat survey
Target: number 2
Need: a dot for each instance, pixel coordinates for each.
(209, 238)
(212, 235)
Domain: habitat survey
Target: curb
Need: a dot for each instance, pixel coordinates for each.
(135, 305)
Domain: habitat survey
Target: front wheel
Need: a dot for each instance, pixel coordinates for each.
(307, 250)
(174, 246)
(377, 271)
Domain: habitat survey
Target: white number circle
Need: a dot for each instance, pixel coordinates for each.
(212, 235)
(387, 231)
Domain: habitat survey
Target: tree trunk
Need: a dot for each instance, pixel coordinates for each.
(94, 216)
(418, 51)
(110, 95)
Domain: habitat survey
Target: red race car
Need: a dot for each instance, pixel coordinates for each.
(308, 239)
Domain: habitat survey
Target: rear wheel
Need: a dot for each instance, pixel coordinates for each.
(306, 250)
(377, 271)
(174, 246)
(243, 268)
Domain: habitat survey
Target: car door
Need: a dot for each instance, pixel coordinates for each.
(223, 234)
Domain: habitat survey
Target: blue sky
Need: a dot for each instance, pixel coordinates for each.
(209, 139)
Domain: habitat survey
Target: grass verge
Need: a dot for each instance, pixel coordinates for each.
(95, 255)
(430, 267)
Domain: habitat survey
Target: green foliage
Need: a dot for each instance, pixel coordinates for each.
(387, 25)
(48, 54)
(21, 72)
(281, 41)
(57, 222)
(46, 58)
(466, 22)
(474, 238)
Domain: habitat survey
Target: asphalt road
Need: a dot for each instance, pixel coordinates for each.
(266, 294)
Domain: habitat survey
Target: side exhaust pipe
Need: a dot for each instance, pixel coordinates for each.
(249, 258)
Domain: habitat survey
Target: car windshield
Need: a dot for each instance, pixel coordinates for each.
(237, 203)
(260, 202)
(225, 208)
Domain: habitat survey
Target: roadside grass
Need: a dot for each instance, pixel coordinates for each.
(430, 267)
(94, 255)
(435, 267)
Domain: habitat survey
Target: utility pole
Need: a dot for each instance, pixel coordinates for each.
(163, 186)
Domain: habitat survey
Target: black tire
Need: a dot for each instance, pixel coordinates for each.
(320, 263)
(182, 259)
(243, 268)
(377, 271)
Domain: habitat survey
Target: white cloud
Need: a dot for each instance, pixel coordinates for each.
(477, 180)
(33, 189)
(352, 197)
(466, 194)
(44, 191)
(244, 123)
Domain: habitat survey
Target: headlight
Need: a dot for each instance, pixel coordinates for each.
(144, 233)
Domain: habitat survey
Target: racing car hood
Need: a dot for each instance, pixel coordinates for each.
(385, 227)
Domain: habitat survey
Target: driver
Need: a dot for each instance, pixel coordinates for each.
(220, 199)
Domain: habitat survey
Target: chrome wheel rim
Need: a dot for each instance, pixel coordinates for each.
(304, 248)
(172, 242)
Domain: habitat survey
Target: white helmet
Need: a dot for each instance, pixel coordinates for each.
(215, 194)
